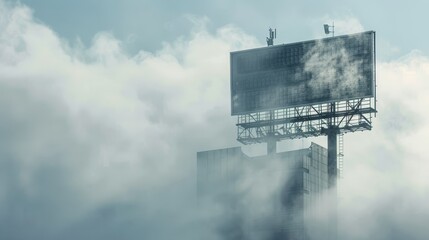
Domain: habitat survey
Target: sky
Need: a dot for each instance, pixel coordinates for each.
(147, 24)
(105, 104)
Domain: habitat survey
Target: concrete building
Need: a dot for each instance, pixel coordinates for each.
(227, 175)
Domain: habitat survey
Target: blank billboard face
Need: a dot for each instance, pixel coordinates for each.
(303, 73)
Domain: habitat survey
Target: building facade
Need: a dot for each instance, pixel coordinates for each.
(269, 197)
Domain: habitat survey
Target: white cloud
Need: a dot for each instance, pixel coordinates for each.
(385, 186)
(347, 25)
(88, 130)
(96, 142)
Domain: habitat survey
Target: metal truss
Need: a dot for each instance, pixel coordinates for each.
(306, 121)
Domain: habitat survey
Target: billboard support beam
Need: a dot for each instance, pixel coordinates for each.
(332, 156)
(308, 121)
(271, 140)
(333, 131)
(332, 178)
(271, 145)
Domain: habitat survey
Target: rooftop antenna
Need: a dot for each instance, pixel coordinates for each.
(328, 29)
(270, 39)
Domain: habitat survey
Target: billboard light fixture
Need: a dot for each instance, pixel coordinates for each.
(328, 28)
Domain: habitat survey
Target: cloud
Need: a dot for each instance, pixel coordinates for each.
(346, 25)
(99, 144)
(337, 69)
(385, 189)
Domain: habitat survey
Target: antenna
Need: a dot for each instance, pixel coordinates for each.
(272, 35)
(328, 28)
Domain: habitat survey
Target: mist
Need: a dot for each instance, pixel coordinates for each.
(98, 144)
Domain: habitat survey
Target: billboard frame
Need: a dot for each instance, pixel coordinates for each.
(309, 120)
(342, 98)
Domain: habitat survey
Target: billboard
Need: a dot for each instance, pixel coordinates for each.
(303, 73)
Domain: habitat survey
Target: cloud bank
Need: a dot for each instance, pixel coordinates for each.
(99, 144)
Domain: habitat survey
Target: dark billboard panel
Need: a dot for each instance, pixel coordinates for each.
(303, 73)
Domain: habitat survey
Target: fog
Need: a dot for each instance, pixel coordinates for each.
(98, 144)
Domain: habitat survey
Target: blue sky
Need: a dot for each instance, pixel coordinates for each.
(104, 105)
(146, 24)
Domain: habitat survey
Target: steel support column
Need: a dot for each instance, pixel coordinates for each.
(332, 158)
(332, 181)
(333, 131)
(271, 145)
(271, 140)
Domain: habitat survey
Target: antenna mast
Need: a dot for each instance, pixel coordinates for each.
(272, 35)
